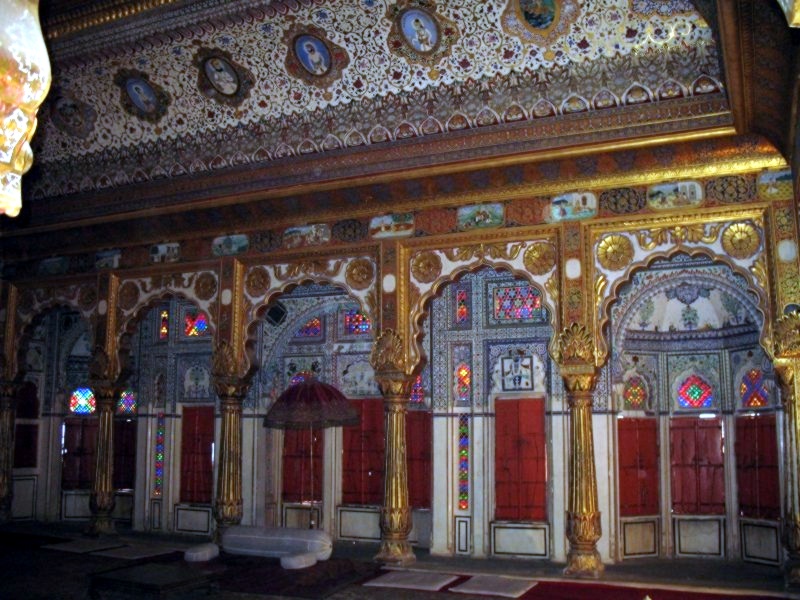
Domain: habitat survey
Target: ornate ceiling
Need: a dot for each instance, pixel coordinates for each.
(223, 101)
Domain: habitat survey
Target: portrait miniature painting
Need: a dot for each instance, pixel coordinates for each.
(538, 14)
(420, 30)
(220, 78)
(313, 54)
(72, 116)
(140, 97)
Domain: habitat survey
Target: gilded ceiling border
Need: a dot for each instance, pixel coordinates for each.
(103, 13)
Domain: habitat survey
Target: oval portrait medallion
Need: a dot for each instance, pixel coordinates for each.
(313, 54)
(142, 95)
(221, 75)
(420, 30)
(538, 14)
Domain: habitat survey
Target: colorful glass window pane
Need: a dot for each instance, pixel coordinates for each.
(464, 382)
(82, 402)
(518, 303)
(417, 391)
(695, 393)
(195, 324)
(311, 329)
(753, 389)
(163, 330)
(301, 377)
(127, 403)
(463, 462)
(356, 322)
(158, 474)
(462, 306)
(635, 393)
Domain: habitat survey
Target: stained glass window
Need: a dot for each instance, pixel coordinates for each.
(462, 306)
(163, 330)
(417, 391)
(312, 329)
(518, 303)
(158, 478)
(463, 462)
(695, 393)
(753, 389)
(355, 322)
(195, 324)
(127, 403)
(463, 382)
(301, 377)
(635, 394)
(82, 402)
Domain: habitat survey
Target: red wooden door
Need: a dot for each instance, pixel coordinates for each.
(697, 469)
(638, 467)
(197, 439)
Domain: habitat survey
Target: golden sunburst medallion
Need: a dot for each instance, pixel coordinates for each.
(426, 267)
(360, 274)
(741, 240)
(128, 295)
(257, 282)
(615, 252)
(205, 286)
(539, 258)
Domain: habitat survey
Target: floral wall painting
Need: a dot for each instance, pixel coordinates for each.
(313, 57)
(420, 34)
(665, 196)
(392, 226)
(72, 116)
(306, 235)
(229, 245)
(165, 253)
(775, 185)
(220, 78)
(479, 216)
(141, 97)
(568, 207)
(419, 30)
(539, 21)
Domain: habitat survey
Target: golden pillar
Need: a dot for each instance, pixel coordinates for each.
(395, 386)
(575, 358)
(787, 366)
(8, 392)
(101, 500)
(231, 389)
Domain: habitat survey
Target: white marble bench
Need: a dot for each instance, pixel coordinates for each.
(296, 548)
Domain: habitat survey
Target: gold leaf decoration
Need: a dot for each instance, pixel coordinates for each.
(87, 297)
(575, 345)
(615, 252)
(205, 286)
(787, 335)
(387, 352)
(599, 288)
(759, 271)
(426, 267)
(128, 295)
(481, 251)
(360, 273)
(551, 285)
(539, 258)
(741, 240)
(257, 281)
(309, 267)
(679, 234)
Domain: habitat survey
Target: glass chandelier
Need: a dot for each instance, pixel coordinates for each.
(24, 82)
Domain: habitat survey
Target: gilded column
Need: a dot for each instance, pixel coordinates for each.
(231, 389)
(101, 500)
(8, 411)
(395, 385)
(787, 366)
(576, 361)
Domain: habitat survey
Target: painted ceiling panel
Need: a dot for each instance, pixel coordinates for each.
(186, 90)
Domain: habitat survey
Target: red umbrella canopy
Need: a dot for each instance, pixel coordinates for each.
(313, 404)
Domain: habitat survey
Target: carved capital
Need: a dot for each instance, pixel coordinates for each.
(575, 345)
(226, 373)
(787, 336)
(387, 352)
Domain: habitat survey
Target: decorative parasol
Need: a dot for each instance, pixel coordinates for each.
(314, 405)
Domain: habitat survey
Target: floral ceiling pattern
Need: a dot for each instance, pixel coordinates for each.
(170, 106)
